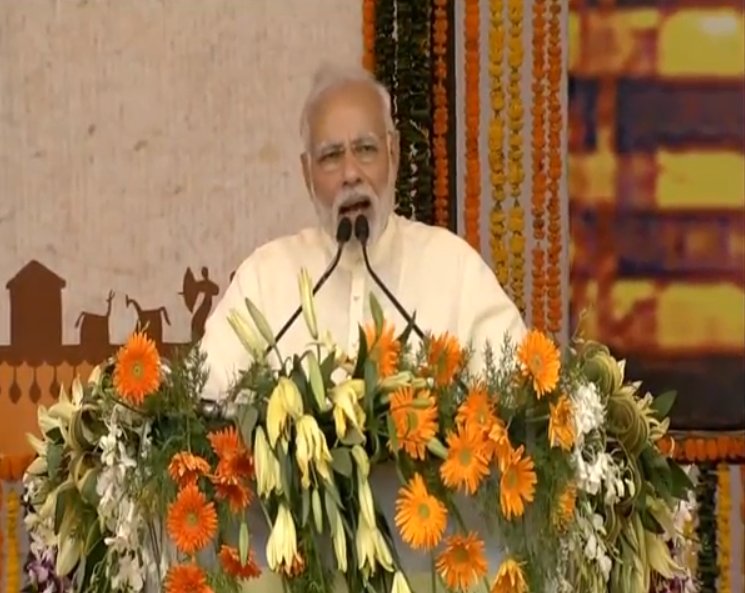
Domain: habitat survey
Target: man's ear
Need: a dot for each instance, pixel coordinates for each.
(395, 151)
(305, 164)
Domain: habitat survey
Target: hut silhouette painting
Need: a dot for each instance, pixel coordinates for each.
(36, 312)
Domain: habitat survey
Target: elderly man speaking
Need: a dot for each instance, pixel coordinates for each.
(349, 162)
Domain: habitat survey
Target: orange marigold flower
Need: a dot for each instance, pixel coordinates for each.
(233, 490)
(186, 577)
(517, 484)
(384, 349)
(561, 424)
(462, 563)
(467, 463)
(192, 520)
(420, 517)
(230, 560)
(415, 423)
(137, 369)
(445, 358)
(540, 360)
(186, 468)
(509, 579)
(234, 458)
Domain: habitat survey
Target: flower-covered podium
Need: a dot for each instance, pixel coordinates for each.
(539, 472)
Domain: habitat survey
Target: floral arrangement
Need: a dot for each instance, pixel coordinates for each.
(138, 482)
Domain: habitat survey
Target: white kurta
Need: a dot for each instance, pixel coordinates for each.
(430, 270)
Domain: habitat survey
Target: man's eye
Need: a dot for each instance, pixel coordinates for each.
(329, 156)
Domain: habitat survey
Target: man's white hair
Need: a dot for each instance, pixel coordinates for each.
(330, 76)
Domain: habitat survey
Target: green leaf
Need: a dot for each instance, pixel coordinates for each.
(317, 511)
(305, 512)
(342, 461)
(403, 338)
(681, 484)
(362, 353)
(243, 542)
(332, 511)
(377, 314)
(316, 381)
(260, 322)
(656, 470)
(663, 403)
(333, 493)
(371, 383)
(352, 438)
(327, 367)
(650, 523)
(247, 423)
(392, 437)
(54, 460)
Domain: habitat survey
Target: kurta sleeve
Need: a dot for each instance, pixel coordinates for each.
(225, 355)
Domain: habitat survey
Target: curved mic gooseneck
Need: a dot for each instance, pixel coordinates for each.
(362, 234)
(343, 235)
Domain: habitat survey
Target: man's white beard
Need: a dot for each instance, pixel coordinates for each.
(377, 213)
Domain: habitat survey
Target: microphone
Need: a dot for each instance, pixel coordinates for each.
(343, 235)
(362, 234)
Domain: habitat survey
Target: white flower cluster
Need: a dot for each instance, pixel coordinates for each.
(589, 412)
(119, 514)
(596, 472)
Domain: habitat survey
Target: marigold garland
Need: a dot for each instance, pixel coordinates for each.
(538, 182)
(497, 217)
(13, 548)
(695, 449)
(555, 65)
(441, 189)
(473, 168)
(724, 534)
(368, 34)
(515, 169)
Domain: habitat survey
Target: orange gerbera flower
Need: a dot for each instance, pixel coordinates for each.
(467, 463)
(137, 369)
(420, 517)
(561, 424)
(185, 468)
(234, 459)
(445, 358)
(192, 520)
(415, 424)
(565, 506)
(232, 489)
(230, 560)
(384, 349)
(517, 485)
(186, 577)
(477, 409)
(499, 442)
(509, 579)
(540, 360)
(462, 562)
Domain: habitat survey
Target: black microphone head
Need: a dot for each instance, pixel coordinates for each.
(362, 229)
(344, 230)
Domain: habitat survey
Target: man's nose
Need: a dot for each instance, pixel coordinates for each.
(352, 172)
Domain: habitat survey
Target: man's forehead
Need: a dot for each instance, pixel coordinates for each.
(339, 139)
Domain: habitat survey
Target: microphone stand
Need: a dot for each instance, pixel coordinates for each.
(343, 234)
(362, 234)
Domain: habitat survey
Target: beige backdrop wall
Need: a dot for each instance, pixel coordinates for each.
(140, 141)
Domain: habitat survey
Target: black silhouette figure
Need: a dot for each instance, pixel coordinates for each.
(150, 321)
(192, 288)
